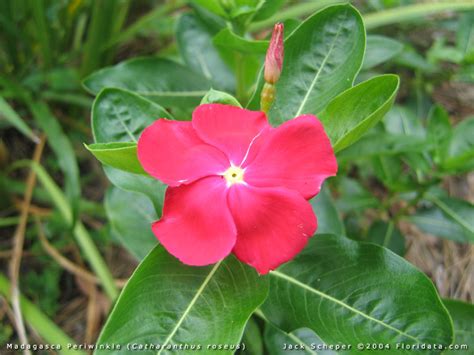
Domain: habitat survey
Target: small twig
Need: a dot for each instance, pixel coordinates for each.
(33, 209)
(18, 241)
(68, 265)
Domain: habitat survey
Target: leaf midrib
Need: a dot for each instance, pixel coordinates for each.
(340, 303)
(315, 80)
(199, 292)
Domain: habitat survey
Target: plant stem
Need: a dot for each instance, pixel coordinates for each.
(413, 12)
(44, 326)
(371, 20)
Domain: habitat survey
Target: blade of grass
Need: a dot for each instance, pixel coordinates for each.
(80, 232)
(107, 19)
(62, 148)
(11, 116)
(144, 21)
(39, 11)
(17, 187)
(44, 326)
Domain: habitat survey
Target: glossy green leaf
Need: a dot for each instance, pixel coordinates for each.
(463, 318)
(358, 109)
(219, 97)
(350, 292)
(119, 155)
(298, 342)
(460, 153)
(130, 215)
(7, 113)
(322, 57)
(387, 235)
(160, 80)
(328, 217)
(379, 50)
(195, 44)
(229, 40)
(447, 217)
(168, 303)
(120, 116)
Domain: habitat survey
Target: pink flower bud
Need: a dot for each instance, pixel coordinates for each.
(274, 58)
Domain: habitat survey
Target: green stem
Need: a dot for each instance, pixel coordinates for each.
(372, 20)
(44, 326)
(413, 12)
(82, 236)
(9, 221)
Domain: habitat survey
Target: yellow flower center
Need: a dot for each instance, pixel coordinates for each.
(234, 175)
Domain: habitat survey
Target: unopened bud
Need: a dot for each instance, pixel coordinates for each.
(274, 58)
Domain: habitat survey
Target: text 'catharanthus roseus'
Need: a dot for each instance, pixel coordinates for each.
(236, 184)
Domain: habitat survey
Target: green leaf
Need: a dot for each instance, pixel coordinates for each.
(350, 292)
(267, 8)
(298, 342)
(195, 44)
(131, 215)
(160, 80)
(166, 302)
(229, 40)
(358, 109)
(326, 65)
(119, 155)
(120, 116)
(402, 120)
(7, 113)
(387, 235)
(354, 197)
(447, 217)
(460, 153)
(252, 338)
(219, 97)
(380, 144)
(463, 318)
(329, 220)
(439, 131)
(379, 50)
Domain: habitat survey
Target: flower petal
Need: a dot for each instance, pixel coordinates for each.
(172, 152)
(229, 128)
(297, 155)
(273, 225)
(197, 226)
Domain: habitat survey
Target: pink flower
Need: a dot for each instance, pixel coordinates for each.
(236, 184)
(274, 57)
